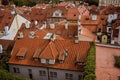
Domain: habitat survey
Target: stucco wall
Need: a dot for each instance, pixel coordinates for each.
(36, 76)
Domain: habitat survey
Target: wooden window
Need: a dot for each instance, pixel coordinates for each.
(80, 77)
(16, 70)
(69, 76)
(42, 73)
(53, 74)
(30, 73)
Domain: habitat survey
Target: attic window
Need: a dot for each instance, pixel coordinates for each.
(79, 60)
(36, 54)
(87, 18)
(21, 53)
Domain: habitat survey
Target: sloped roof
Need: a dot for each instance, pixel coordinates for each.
(72, 14)
(50, 52)
(51, 48)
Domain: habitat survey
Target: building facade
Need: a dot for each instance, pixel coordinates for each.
(42, 73)
(52, 59)
(109, 2)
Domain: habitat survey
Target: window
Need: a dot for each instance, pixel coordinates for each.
(16, 70)
(80, 77)
(30, 73)
(68, 76)
(42, 73)
(53, 74)
(56, 14)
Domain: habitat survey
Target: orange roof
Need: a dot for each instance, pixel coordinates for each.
(37, 53)
(5, 17)
(50, 52)
(52, 49)
(72, 14)
(88, 33)
(21, 52)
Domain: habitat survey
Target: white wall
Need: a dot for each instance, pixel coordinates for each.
(36, 76)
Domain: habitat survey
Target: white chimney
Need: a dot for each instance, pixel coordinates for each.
(110, 18)
(66, 25)
(115, 16)
(45, 25)
(12, 12)
(52, 26)
(76, 39)
(36, 22)
(1, 49)
(27, 24)
(6, 30)
(94, 17)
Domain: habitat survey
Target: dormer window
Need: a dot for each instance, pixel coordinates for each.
(56, 14)
(21, 53)
(36, 54)
(79, 60)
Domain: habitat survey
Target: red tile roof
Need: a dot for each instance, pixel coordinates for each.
(72, 14)
(21, 52)
(5, 17)
(50, 52)
(51, 48)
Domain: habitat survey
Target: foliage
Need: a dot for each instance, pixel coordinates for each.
(117, 61)
(93, 2)
(5, 75)
(90, 64)
(3, 62)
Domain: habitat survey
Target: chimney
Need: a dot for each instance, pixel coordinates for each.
(52, 25)
(20, 35)
(66, 52)
(36, 22)
(6, 29)
(94, 17)
(66, 25)
(76, 40)
(45, 25)
(13, 12)
(27, 24)
(1, 49)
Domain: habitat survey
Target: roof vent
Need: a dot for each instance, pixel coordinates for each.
(20, 35)
(31, 34)
(6, 30)
(76, 39)
(66, 25)
(13, 12)
(1, 49)
(94, 17)
(52, 25)
(36, 22)
(27, 24)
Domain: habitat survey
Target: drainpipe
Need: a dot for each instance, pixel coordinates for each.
(48, 73)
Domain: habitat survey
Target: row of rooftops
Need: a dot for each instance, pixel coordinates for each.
(34, 45)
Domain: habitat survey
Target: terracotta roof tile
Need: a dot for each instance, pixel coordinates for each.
(57, 46)
(21, 52)
(50, 52)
